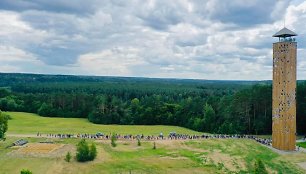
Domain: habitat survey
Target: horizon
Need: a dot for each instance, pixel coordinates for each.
(173, 40)
(169, 78)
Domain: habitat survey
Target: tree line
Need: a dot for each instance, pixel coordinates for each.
(227, 107)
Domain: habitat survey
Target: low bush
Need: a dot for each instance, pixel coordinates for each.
(25, 171)
(154, 145)
(113, 140)
(138, 142)
(68, 157)
(84, 152)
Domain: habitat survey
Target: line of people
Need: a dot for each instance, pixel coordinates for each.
(171, 136)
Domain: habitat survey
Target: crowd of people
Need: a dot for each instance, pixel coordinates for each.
(170, 136)
(264, 141)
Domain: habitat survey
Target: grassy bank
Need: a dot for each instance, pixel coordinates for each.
(27, 123)
(171, 156)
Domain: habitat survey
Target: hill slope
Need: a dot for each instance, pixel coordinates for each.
(171, 156)
(27, 123)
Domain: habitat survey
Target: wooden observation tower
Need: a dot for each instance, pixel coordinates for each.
(284, 91)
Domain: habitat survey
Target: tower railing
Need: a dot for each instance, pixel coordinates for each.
(285, 39)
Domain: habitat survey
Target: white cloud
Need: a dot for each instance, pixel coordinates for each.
(175, 39)
(114, 62)
(16, 60)
(14, 31)
(10, 24)
(12, 54)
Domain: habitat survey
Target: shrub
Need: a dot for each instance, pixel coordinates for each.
(3, 125)
(8, 117)
(92, 152)
(84, 153)
(25, 171)
(68, 157)
(260, 167)
(154, 145)
(138, 142)
(113, 140)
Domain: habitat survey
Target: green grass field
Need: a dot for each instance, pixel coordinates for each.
(27, 123)
(171, 156)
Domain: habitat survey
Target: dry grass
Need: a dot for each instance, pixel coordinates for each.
(232, 164)
(39, 148)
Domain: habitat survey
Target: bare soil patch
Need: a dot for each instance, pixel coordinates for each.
(40, 148)
(43, 150)
(230, 163)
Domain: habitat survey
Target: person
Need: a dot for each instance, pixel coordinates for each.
(161, 135)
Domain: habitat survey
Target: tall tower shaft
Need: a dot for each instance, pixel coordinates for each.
(284, 91)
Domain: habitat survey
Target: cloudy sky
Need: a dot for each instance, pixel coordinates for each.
(212, 39)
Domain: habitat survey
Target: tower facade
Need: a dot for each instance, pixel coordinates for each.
(284, 91)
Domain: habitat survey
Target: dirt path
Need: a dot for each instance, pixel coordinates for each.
(281, 152)
(165, 141)
(24, 135)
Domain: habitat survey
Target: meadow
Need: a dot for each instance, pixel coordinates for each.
(27, 123)
(170, 156)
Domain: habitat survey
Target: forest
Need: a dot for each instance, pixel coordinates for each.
(229, 107)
